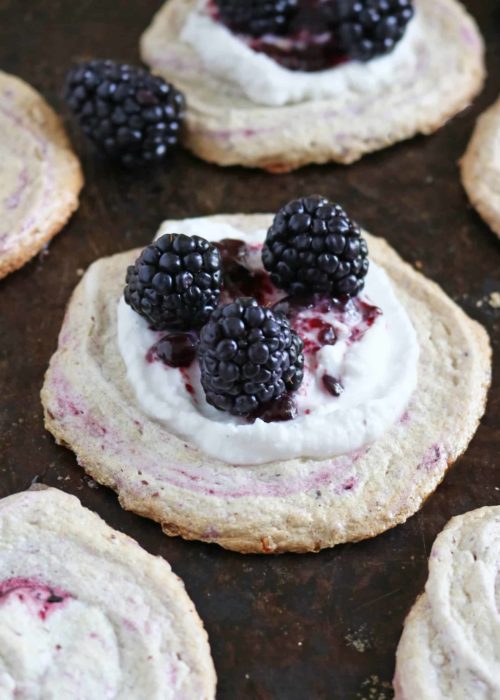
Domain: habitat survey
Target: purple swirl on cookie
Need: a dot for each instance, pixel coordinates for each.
(40, 598)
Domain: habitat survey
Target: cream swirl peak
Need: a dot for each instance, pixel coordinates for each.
(374, 360)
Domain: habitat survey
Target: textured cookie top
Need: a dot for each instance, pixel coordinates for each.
(450, 648)
(298, 504)
(40, 177)
(481, 167)
(85, 612)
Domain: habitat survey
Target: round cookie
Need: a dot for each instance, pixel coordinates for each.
(227, 128)
(296, 505)
(480, 167)
(450, 647)
(85, 612)
(40, 176)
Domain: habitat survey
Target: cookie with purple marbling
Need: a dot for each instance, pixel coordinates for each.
(480, 167)
(449, 649)
(351, 464)
(246, 109)
(40, 176)
(85, 612)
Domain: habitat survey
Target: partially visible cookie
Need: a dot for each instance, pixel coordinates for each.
(450, 647)
(481, 167)
(443, 74)
(40, 176)
(299, 504)
(86, 613)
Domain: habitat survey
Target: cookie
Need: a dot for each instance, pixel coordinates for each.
(290, 505)
(480, 167)
(441, 76)
(449, 649)
(40, 176)
(85, 612)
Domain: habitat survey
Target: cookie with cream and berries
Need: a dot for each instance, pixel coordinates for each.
(87, 613)
(265, 382)
(40, 177)
(281, 84)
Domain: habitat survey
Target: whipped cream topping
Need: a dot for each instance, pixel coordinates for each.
(375, 362)
(264, 81)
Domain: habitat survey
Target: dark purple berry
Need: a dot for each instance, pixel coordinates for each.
(313, 247)
(365, 29)
(133, 116)
(175, 283)
(256, 17)
(249, 357)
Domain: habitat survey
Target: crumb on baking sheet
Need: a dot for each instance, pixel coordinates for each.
(358, 639)
(494, 300)
(374, 688)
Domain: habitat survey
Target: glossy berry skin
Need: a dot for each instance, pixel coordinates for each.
(175, 283)
(248, 357)
(365, 29)
(256, 17)
(313, 247)
(131, 115)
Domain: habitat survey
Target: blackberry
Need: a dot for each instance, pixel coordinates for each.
(133, 116)
(369, 28)
(249, 356)
(175, 283)
(256, 17)
(313, 247)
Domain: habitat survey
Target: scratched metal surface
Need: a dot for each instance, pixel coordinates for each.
(291, 627)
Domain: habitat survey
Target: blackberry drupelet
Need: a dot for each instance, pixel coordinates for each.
(368, 28)
(313, 247)
(133, 116)
(248, 357)
(256, 17)
(175, 283)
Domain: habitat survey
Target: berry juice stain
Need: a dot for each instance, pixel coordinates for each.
(175, 349)
(40, 598)
(332, 385)
(187, 381)
(279, 410)
(239, 280)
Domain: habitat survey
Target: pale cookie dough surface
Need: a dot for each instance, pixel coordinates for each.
(86, 613)
(481, 167)
(40, 177)
(450, 647)
(296, 505)
(225, 127)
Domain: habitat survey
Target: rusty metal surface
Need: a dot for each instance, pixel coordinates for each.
(287, 627)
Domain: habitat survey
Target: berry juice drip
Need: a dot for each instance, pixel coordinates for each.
(175, 349)
(278, 411)
(239, 281)
(315, 330)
